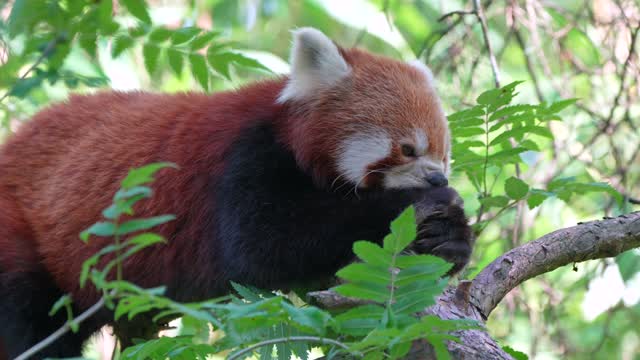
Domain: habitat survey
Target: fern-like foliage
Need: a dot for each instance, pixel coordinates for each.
(495, 139)
(399, 286)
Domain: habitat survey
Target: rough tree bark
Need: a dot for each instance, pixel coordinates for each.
(476, 299)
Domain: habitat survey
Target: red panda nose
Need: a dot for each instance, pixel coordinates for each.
(437, 179)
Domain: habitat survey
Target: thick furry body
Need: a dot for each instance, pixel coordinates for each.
(236, 182)
(265, 194)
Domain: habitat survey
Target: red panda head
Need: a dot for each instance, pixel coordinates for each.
(363, 119)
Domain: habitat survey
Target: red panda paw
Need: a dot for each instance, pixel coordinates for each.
(443, 229)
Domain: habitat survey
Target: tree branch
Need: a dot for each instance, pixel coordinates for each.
(476, 299)
(586, 241)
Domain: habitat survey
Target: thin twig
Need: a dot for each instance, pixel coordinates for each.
(485, 33)
(606, 127)
(315, 339)
(530, 69)
(48, 50)
(623, 75)
(456, 12)
(61, 331)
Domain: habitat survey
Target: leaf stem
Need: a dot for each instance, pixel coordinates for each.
(48, 50)
(119, 260)
(61, 331)
(315, 339)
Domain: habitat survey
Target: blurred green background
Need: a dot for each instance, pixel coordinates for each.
(562, 49)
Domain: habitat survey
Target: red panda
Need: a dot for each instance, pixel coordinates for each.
(276, 181)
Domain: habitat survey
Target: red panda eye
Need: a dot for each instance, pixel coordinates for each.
(408, 150)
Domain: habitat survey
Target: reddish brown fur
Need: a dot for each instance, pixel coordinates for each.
(382, 92)
(62, 168)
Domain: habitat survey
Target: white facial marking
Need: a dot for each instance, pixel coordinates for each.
(413, 174)
(359, 151)
(421, 141)
(316, 64)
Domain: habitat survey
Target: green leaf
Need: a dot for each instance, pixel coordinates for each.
(365, 272)
(468, 144)
(121, 207)
(407, 261)
(432, 271)
(126, 193)
(89, 42)
(220, 61)
(59, 55)
(199, 70)
(582, 47)
(219, 64)
(160, 34)
(176, 61)
(203, 40)
(507, 156)
(360, 320)
(249, 293)
(517, 355)
(417, 296)
(403, 231)
(25, 14)
(99, 229)
(530, 145)
(476, 111)
(143, 224)
(628, 263)
(184, 35)
(364, 291)
(105, 18)
(467, 132)
(309, 319)
(495, 201)
(520, 119)
(146, 239)
(496, 98)
(372, 253)
(63, 301)
(537, 196)
(468, 122)
(241, 60)
(151, 54)
(518, 132)
(511, 110)
(24, 86)
(560, 105)
(138, 31)
(566, 187)
(440, 346)
(144, 174)
(137, 8)
(516, 188)
(86, 268)
(400, 349)
(120, 44)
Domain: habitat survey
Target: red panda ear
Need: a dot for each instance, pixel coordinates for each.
(316, 64)
(424, 69)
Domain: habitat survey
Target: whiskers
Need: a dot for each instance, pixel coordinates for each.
(402, 179)
(354, 188)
